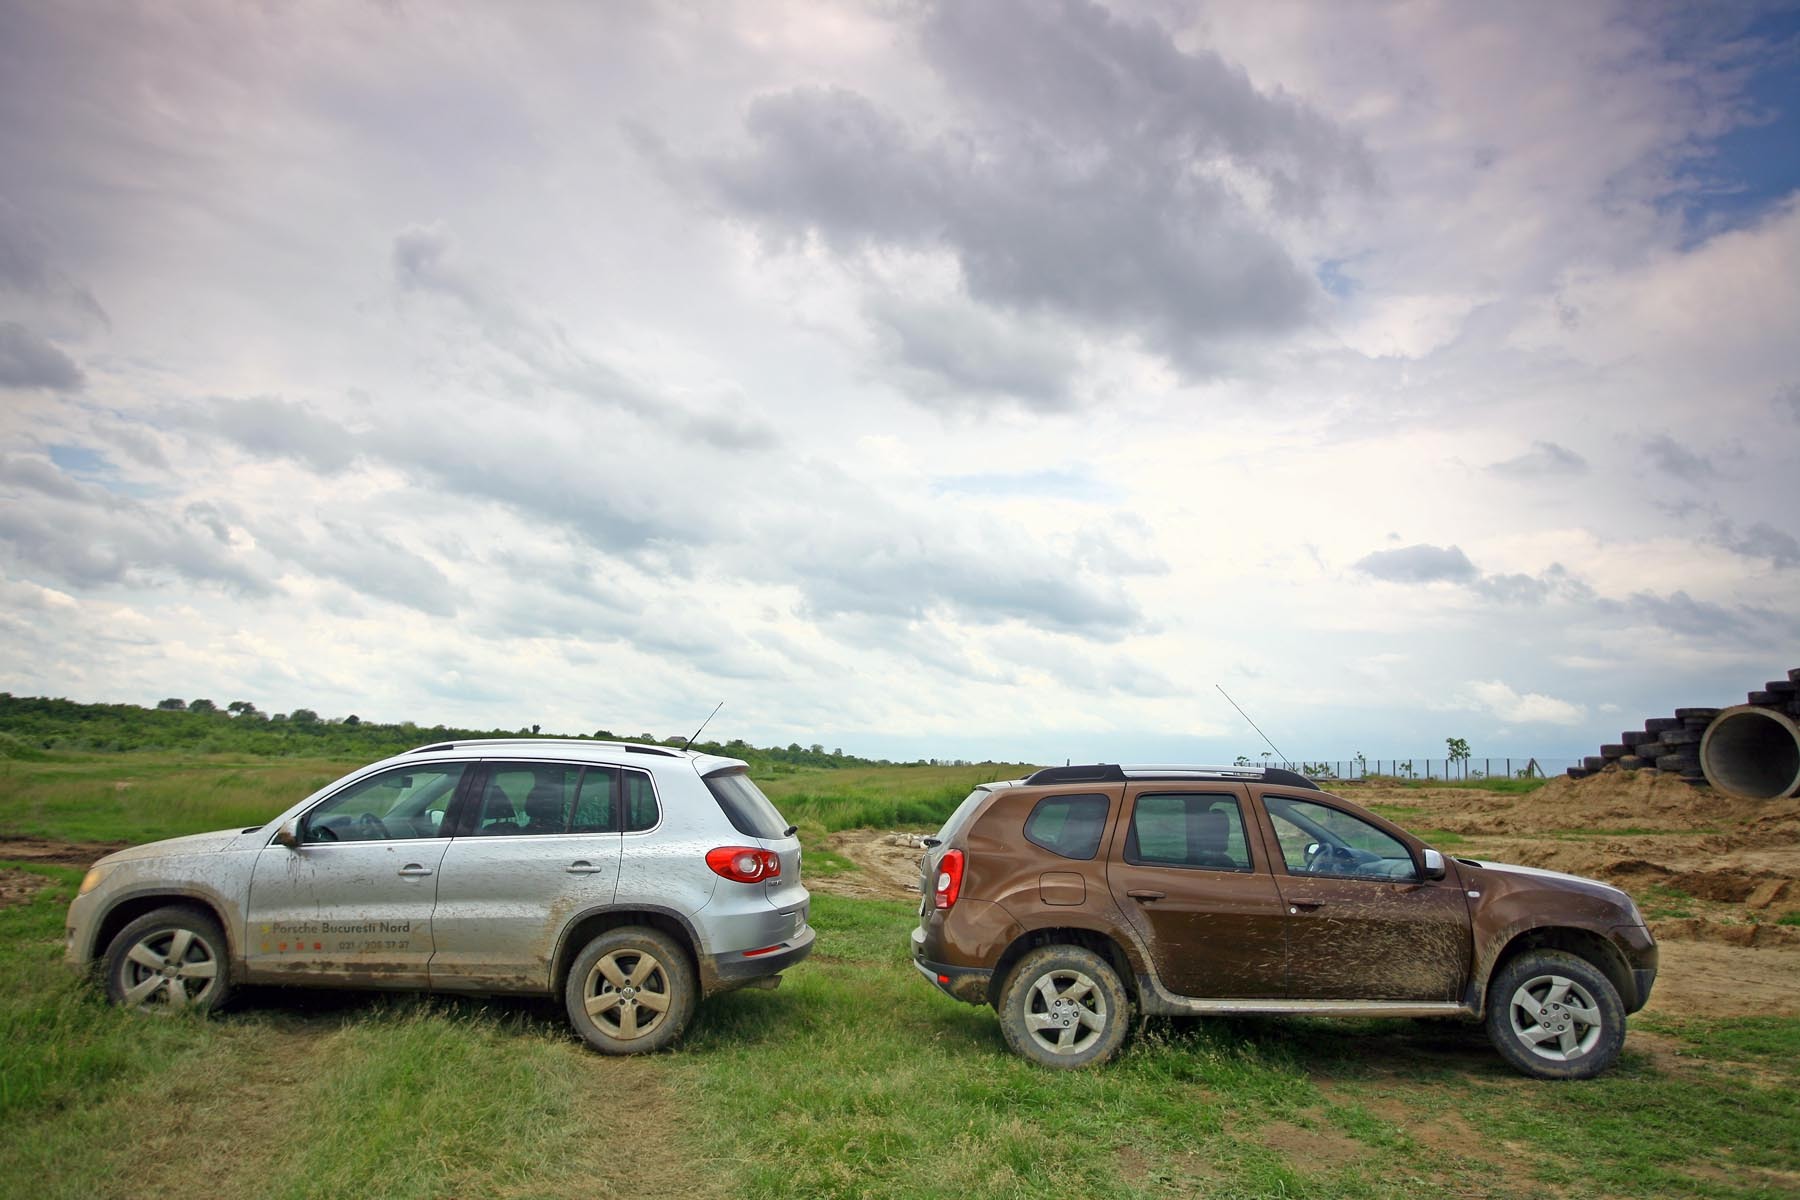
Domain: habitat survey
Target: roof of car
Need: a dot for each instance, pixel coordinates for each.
(636, 753)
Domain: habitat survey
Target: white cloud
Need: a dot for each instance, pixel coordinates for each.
(1499, 699)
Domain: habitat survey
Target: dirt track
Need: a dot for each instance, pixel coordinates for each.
(1713, 874)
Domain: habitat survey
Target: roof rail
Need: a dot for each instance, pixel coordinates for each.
(1091, 773)
(1113, 773)
(628, 747)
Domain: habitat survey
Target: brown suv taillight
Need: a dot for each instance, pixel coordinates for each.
(744, 864)
(949, 880)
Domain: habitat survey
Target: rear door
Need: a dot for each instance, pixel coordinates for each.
(539, 841)
(1362, 923)
(1196, 884)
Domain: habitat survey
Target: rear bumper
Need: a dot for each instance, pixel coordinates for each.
(968, 984)
(722, 972)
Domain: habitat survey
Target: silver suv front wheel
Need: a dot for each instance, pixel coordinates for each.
(167, 961)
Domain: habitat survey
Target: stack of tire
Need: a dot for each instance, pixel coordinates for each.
(1673, 744)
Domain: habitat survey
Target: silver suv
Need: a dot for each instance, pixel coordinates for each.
(630, 880)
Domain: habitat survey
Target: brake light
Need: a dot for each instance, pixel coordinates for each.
(744, 864)
(949, 880)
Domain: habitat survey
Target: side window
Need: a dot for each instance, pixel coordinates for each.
(1183, 829)
(1068, 825)
(525, 798)
(1317, 839)
(597, 806)
(407, 802)
(640, 802)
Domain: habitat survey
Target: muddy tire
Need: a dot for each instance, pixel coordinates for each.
(1064, 1007)
(169, 960)
(1555, 1015)
(630, 991)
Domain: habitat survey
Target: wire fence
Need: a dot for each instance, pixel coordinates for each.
(1422, 768)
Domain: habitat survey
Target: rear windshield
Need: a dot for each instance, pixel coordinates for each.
(963, 812)
(748, 810)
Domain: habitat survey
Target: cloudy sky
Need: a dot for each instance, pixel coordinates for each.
(955, 380)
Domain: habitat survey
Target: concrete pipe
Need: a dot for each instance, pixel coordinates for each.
(1750, 751)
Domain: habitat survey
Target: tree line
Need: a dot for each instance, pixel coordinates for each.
(33, 726)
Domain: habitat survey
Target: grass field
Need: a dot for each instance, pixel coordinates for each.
(854, 1079)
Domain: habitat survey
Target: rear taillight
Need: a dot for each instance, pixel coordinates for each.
(744, 864)
(949, 879)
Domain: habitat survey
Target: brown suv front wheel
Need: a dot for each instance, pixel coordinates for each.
(1063, 1006)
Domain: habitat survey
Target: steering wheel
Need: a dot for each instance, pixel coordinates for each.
(367, 820)
(1320, 854)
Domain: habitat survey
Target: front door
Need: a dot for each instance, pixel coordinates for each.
(351, 905)
(1362, 924)
(539, 844)
(1190, 882)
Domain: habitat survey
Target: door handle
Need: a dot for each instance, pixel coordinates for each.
(581, 866)
(415, 870)
(1145, 895)
(1300, 906)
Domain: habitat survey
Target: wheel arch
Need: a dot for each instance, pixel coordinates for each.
(1585, 944)
(591, 924)
(129, 907)
(1101, 943)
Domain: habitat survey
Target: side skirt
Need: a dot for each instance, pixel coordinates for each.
(1157, 1001)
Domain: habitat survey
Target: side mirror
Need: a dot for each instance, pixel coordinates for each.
(1434, 864)
(289, 834)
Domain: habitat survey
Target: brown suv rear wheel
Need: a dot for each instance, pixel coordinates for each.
(1063, 1006)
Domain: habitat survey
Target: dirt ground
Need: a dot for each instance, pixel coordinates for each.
(1712, 873)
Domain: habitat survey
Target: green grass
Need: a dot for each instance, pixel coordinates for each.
(1662, 902)
(879, 797)
(855, 1078)
(143, 797)
(1789, 918)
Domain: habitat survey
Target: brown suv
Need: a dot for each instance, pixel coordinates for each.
(1071, 898)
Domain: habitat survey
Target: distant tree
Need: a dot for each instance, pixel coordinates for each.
(605, 735)
(353, 720)
(794, 748)
(172, 704)
(202, 705)
(241, 708)
(816, 748)
(278, 719)
(304, 716)
(534, 730)
(1458, 751)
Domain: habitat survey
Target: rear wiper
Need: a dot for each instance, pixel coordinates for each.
(930, 842)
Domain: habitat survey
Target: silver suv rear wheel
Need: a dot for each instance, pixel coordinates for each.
(630, 991)
(1063, 1006)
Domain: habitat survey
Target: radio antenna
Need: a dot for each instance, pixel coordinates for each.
(721, 704)
(1253, 724)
